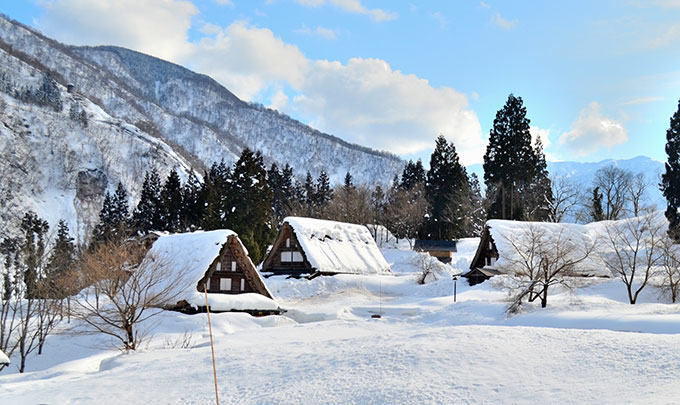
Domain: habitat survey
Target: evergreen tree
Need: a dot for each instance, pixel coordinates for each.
(283, 191)
(193, 204)
(510, 162)
(171, 199)
(310, 193)
(323, 193)
(61, 261)
(32, 246)
(348, 186)
(113, 218)
(538, 194)
(413, 174)
(447, 191)
(670, 181)
(148, 216)
(216, 197)
(252, 201)
(477, 217)
(596, 209)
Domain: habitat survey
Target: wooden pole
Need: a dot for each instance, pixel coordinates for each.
(212, 347)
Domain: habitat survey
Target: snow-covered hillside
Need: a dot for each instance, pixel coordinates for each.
(194, 112)
(60, 164)
(141, 112)
(589, 346)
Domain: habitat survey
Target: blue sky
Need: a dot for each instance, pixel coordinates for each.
(599, 79)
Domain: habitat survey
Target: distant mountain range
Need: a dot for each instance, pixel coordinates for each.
(583, 173)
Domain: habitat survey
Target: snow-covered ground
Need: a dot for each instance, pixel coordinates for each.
(589, 346)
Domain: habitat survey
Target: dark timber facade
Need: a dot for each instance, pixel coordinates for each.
(287, 256)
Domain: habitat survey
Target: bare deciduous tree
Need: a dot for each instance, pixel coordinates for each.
(670, 270)
(126, 287)
(404, 211)
(541, 258)
(614, 184)
(632, 248)
(637, 194)
(566, 197)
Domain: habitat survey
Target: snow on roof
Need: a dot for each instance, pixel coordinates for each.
(338, 247)
(581, 237)
(3, 358)
(189, 256)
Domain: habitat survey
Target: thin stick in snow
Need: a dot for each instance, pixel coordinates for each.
(212, 347)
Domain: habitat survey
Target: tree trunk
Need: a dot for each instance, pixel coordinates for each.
(544, 297)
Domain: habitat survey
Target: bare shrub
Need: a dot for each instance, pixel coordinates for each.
(632, 249)
(126, 287)
(540, 259)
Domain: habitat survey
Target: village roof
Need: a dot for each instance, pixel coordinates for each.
(3, 358)
(506, 233)
(338, 247)
(190, 255)
(435, 245)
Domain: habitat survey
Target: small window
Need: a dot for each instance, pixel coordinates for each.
(490, 245)
(233, 266)
(225, 284)
(207, 284)
(243, 284)
(297, 256)
(288, 242)
(219, 266)
(286, 256)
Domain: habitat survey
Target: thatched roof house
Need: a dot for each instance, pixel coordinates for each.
(216, 260)
(320, 247)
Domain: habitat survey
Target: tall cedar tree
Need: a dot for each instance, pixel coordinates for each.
(670, 181)
(113, 218)
(349, 183)
(510, 163)
(32, 245)
(148, 216)
(596, 211)
(193, 204)
(251, 201)
(215, 196)
(447, 191)
(323, 194)
(61, 262)
(538, 195)
(413, 174)
(283, 191)
(309, 194)
(171, 202)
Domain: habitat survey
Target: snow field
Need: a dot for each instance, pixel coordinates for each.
(584, 348)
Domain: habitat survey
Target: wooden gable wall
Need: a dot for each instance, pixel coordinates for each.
(232, 272)
(486, 254)
(285, 255)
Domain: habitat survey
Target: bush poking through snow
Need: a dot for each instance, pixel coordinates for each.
(431, 269)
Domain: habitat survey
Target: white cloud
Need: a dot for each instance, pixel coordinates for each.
(158, 28)
(354, 7)
(369, 103)
(544, 134)
(642, 100)
(503, 23)
(363, 101)
(248, 59)
(592, 131)
(439, 17)
(224, 3)
(322, 32)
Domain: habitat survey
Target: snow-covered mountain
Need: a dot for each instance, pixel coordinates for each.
(583, 172)
(141, 112)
